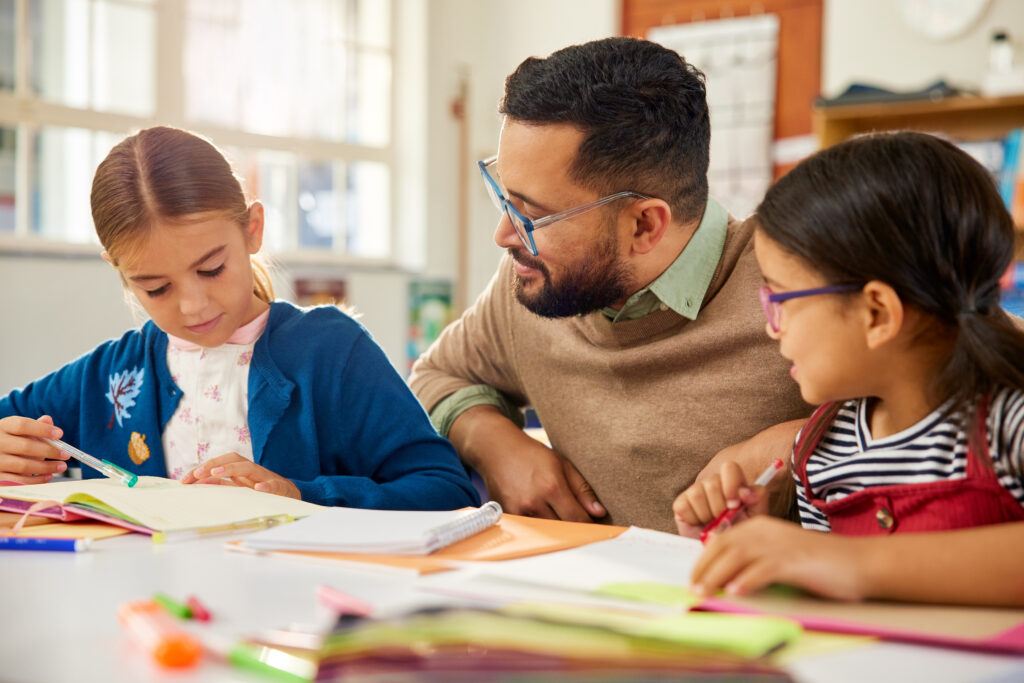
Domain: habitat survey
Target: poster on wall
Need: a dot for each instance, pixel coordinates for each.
(332, 291)
(430, 311)
(739, 56)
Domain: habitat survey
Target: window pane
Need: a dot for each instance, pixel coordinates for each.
(269, 176)
(370, 100)
(318, 205)
(369, 214)
(64, 160)
(290, 69)
(95, 54)
(6, 44)
(8, 140)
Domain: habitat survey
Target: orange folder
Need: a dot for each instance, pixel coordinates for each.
(513, 536)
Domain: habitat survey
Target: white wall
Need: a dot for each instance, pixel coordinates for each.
(867, 41)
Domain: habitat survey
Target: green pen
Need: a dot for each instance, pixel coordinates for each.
(108, 468)
(178, 609)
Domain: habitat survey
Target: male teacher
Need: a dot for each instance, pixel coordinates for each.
(625, 311)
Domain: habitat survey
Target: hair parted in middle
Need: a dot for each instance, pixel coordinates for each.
(165, 174)
(643, 111)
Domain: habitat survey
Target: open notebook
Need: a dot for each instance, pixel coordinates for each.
(153, 504)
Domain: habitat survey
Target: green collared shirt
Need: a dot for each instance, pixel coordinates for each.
(684, 283)
(681, 287)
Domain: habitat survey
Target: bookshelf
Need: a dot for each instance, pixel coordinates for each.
(962, 118)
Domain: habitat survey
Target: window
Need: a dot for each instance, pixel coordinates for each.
(298, 94)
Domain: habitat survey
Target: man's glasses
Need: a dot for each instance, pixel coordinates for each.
(771, 302)
(524, 227)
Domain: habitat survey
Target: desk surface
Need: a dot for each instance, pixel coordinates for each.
(59, 614)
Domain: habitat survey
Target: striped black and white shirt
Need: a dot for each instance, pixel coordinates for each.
(847, 459)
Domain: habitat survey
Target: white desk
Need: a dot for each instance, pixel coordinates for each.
(59, 615)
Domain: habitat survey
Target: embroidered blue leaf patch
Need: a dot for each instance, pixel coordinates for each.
(124, 387)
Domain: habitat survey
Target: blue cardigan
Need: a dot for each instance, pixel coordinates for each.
(326, 410)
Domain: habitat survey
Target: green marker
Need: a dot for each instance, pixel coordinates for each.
(285, 667)
(178, 609)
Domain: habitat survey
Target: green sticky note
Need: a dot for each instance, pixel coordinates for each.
(647, 591)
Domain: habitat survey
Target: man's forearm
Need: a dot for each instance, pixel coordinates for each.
(476, 431)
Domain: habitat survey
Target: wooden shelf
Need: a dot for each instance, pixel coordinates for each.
(963, 118)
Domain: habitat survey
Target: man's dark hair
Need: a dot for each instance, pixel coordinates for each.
(643, 110)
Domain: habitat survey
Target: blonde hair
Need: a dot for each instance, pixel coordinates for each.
(165, 174)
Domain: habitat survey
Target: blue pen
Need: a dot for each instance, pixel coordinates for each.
(67, 545)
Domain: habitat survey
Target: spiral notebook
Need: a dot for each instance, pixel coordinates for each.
(398, 532)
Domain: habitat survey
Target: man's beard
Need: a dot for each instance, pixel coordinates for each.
(599, 281)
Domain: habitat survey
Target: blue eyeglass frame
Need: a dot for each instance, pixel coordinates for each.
(523, 226)
(770, 300)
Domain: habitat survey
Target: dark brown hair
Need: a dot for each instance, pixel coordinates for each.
(918, 213)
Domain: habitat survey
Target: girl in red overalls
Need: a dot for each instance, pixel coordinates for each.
(881, 258)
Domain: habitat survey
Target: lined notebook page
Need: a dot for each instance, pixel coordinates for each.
(166, 504)
(400, 532)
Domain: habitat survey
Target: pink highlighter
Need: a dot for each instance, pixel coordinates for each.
(725, 518)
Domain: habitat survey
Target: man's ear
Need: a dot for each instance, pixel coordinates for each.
(254, 228)
(884, 313)
(649, 220)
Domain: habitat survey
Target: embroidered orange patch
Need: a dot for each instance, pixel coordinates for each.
(138, 451)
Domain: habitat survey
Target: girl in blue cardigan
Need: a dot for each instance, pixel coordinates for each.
(223, 384)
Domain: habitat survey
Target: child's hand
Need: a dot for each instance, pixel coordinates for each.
(768, 550)
(698, 505)
(231, 468)
(26, 459)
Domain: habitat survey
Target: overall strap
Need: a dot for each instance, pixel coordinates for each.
(979, 458)
(810, 436)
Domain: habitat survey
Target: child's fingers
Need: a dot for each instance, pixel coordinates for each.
(733, 481)
(691, 506)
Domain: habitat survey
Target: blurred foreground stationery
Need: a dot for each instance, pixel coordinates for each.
(976, 628)
(655, 567)
(154, 503)
(556, 643)
(354, 530)
(511, 537)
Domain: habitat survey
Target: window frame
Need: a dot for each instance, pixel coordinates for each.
(28, 112)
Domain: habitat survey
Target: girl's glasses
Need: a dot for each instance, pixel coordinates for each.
(524, 227)
(771, 303)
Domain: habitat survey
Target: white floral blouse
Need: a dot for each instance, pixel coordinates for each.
(212, 416)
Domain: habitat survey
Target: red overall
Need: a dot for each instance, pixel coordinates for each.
(976, 500)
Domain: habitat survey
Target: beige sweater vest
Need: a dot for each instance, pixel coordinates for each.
(639, 407)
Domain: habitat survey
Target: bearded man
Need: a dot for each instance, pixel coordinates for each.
(625, 311)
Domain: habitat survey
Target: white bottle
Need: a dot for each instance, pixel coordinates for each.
(1000, 53)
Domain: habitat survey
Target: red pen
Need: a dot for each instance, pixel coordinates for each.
(729, 513)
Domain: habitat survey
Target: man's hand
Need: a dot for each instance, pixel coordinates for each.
(521, 473)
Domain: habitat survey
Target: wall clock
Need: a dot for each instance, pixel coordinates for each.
(941, 19)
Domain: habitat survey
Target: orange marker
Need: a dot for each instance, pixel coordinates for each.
(150, 626)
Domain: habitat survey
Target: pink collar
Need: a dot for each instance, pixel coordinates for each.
(243, 336)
